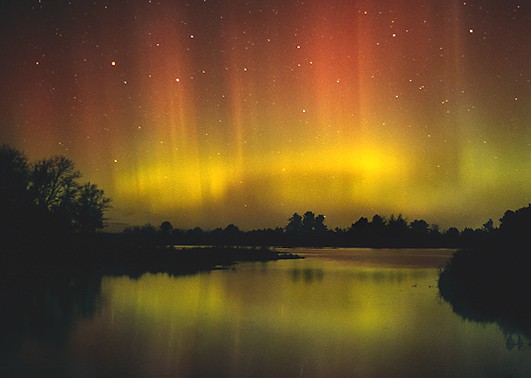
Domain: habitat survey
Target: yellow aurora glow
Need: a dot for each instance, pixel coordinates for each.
(208, 114)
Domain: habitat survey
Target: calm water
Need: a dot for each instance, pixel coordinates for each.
(337, 313)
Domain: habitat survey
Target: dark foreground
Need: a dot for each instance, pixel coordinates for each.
(118, 256)
(490, 285)
(337, 313)
(46, 287)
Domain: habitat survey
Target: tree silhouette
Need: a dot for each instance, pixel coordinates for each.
(420, 231)
(47, 195)
(378, 222)
(55, 187)
(359, 232)
(54, 182)
(90, 205)
(490, 281)
(319, 225)
(397, 230)
(515, 226)
(308, 222)
(420, 227)
(15, 202)
(294, 224)
(166, 227)
(488, 226)
(453, 237)
(14, 171)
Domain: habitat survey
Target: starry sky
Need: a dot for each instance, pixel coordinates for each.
(210, 112)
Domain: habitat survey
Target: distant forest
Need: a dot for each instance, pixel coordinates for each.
(310, 229)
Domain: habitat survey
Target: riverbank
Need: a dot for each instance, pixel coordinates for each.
(490, 285)
(175, 261)
(491, 282)
(120, 256)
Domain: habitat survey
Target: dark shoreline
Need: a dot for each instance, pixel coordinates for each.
(174, 261)
(490, 285)
(108, 256)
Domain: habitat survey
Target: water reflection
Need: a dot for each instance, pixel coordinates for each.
(340, 322)
(308, 318)
(481, 287)
(39, 313)
(307, 275)
(513, 341)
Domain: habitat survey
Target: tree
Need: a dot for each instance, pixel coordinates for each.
(166, 227)
(231, 234)
(48, 195)
(294, 224)
(232, 230)
(359, 232)
(360, 225)
(14, 171)
(397, 231)
(378, 225)
(54, 183)
(420, 231)
(378, 221)
(398, 223)
(452, 236)
(308, 222)
(420, 227)
(488, 226)
(515, 226)
(90, 205)
(55, 188)
(15, 202)
(319, 226)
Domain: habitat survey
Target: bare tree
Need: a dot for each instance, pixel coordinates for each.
(54, 182)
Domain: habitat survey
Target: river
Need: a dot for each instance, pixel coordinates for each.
(336, 313)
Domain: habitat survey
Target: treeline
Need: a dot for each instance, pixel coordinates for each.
(46, 199)
(310, 229)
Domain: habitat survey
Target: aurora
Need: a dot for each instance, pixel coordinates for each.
(208, 113)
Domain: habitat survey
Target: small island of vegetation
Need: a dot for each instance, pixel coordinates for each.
(491, 282)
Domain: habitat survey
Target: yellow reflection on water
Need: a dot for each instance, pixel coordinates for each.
(320, 316)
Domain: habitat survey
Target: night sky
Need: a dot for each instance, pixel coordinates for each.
(210, 112)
